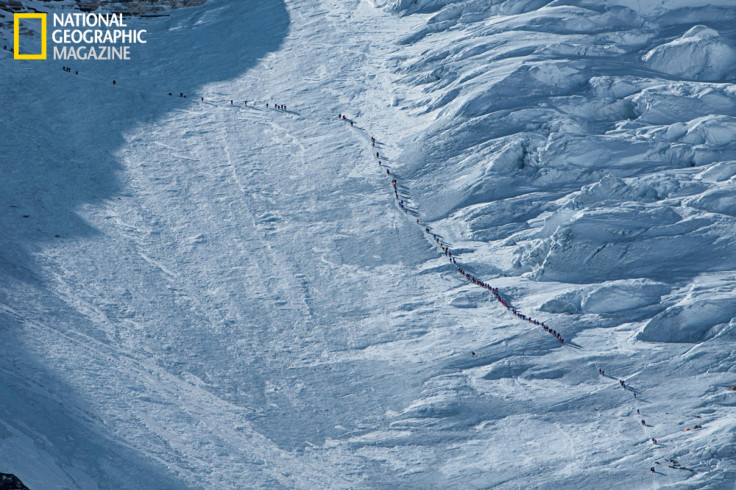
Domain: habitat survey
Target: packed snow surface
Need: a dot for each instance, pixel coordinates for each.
(199, 294)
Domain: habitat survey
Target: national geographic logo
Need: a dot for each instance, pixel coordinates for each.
(78, 36)
(16, 37)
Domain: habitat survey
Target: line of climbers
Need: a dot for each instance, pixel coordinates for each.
(643, 422)
(448, 253)
(496, 294)
(280, 107)
(402, 205)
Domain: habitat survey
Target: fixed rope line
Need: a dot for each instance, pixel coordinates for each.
(436, 239)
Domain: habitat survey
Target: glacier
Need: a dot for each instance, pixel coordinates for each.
(204, 294)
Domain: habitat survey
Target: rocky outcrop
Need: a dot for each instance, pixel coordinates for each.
(11, 482)
(134, 7)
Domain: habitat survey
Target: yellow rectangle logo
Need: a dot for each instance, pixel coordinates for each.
(16, 30)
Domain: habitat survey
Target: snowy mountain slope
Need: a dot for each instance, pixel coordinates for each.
(581, 131)
(560, 148)
(233, 299)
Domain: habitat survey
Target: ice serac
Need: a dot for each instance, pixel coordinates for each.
(412, 5)
(581, 153)
(706, 310)
(690, 322)
(699, 54)
(565, 102)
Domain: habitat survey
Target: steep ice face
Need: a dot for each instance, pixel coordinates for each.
(699, 54)
(565, 103)
(584, 149)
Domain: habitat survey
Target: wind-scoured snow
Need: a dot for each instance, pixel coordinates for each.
(205, 295)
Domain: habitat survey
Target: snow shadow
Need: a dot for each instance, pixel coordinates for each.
(60, 139)
(67, 158)
(51, 440)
